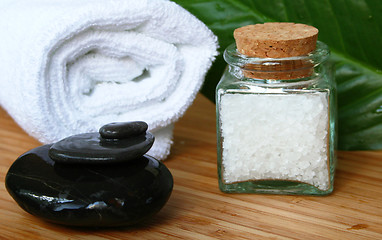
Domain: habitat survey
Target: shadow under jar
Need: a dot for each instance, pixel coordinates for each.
(276, 124)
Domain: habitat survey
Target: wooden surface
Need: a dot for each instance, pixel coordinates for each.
(198, 210)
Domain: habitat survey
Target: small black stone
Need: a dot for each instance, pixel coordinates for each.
(92, 148)
(121, 130)
(97, 195)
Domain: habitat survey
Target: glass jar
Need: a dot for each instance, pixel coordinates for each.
(276, 124)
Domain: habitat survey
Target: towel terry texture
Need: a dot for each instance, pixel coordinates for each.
(70, 66)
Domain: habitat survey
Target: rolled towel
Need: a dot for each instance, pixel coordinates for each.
(70, 66)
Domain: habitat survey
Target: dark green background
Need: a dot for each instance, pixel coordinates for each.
(351, 28)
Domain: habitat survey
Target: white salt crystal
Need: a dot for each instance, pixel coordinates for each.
(275, 136)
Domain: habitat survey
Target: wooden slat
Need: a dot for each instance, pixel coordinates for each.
(198, 210)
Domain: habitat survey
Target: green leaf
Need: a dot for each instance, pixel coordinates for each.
(351, 28)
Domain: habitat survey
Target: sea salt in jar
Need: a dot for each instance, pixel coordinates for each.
(276, 112)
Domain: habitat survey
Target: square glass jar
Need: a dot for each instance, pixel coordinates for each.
(276, 124)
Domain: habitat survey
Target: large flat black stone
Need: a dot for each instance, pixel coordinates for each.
(115, 194)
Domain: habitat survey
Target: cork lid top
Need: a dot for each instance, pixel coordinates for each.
(276, 40)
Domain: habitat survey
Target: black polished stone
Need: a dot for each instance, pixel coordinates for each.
(92, 148)
(121, 130)
(116, 194)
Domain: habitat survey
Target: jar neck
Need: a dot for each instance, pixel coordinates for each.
(277, 69)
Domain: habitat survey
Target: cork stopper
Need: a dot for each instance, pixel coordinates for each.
(277, 40)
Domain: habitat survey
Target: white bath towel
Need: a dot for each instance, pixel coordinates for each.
(70, 66)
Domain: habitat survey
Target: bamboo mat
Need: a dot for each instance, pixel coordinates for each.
(198, 210)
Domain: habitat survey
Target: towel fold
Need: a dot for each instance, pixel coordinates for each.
(70, 66)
